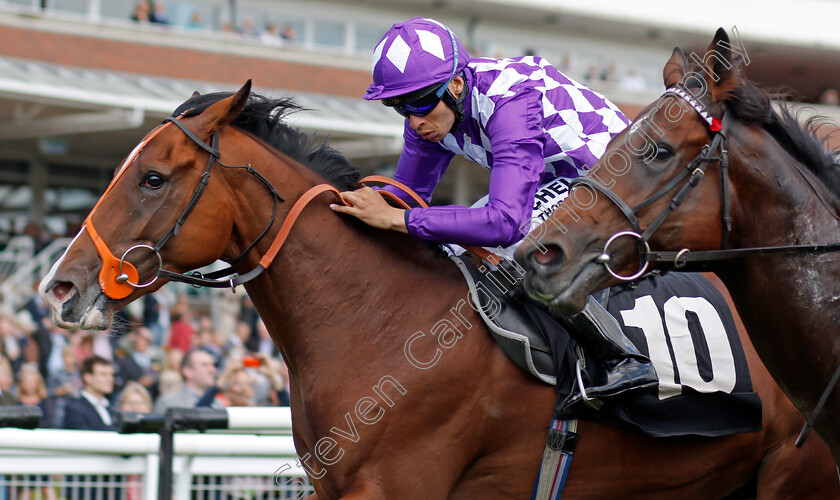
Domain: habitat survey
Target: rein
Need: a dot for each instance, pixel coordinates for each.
(118, 278)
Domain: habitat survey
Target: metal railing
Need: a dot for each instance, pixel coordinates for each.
(53, 463)
(25, 270)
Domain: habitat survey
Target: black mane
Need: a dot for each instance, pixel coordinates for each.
(263, 118)
(753, 105)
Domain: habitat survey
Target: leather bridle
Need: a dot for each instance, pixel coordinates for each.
(118, 278)
(690, 176)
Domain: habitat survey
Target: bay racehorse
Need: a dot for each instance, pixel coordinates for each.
(711, 166)
(398, 391)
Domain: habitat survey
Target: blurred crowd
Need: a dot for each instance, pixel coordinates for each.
(159, 353)
(154, 11)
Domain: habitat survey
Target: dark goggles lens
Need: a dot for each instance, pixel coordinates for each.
(418, 107)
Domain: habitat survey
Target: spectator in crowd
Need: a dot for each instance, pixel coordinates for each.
(137, 365)
(158, 14)
(288, 34)
(7, 380)
(156, 315)
(249, 316)
(40, 236)
(236, 387)
(64, 385)
(92, 410)
(247, 27)
(265, 378)
(11, 342)
(31, 390)
(199, 371)
(142, 11)
(35, 306)
(170, 382)
(134, 397)
(266, 343)
(208, 339)
(282, 386)
(172, 359)
(195, 22)
(235, 345)
(271, 35)
(51, 340)
(830, 97)
(632, 81)
(181, 331)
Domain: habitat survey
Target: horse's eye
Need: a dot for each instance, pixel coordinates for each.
(152, 180)
(663, 152)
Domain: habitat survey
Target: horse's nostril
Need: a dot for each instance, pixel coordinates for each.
(62, 290)
(552, 256)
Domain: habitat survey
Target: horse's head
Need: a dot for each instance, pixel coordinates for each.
(140, 224)
(571, 254)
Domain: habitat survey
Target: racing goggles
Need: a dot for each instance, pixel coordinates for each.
(421, 106)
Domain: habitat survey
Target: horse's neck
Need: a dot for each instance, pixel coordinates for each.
(778, 294)
(336, 286)
(767, 181)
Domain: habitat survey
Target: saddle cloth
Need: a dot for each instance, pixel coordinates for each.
(679, 320)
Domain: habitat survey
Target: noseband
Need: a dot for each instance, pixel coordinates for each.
(119, 277)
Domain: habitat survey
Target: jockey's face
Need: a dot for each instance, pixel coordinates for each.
(434, 126)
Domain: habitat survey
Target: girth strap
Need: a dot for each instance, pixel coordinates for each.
(560, 447)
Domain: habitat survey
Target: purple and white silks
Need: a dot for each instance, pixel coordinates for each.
(526, 122)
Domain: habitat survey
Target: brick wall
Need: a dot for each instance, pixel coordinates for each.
(115, 55)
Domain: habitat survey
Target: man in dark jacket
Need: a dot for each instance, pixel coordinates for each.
(92, 410)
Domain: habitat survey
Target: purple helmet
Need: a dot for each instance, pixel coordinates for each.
(413, 55)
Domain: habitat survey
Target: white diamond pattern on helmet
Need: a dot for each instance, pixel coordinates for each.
(377, 53)
(398, 53)
(431, 43)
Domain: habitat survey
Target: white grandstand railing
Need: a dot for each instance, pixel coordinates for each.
(17, 287)
(232, 465)
(17, 251)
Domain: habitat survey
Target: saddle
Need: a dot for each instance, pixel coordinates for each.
(522, 329)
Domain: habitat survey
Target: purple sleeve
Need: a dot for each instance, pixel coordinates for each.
(421, 165)
(517, 140)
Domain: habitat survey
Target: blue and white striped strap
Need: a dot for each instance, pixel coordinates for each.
(557, 458)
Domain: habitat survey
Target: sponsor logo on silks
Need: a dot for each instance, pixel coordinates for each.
(714, 124)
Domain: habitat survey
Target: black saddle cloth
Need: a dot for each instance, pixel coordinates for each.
(679, 320)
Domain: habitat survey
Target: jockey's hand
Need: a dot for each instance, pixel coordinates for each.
(368, 206)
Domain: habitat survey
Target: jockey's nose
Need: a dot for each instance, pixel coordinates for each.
(415, 121)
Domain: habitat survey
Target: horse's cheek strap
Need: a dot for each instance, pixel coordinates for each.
(111, 269)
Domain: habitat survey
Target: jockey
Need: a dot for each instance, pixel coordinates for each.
(529, 124)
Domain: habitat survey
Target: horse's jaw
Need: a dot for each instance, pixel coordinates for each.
(74, 305)
(566, 293)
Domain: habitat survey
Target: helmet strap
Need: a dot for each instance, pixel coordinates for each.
(456, 104)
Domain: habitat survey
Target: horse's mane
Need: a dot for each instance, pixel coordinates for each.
(263, 118)
(753, 105)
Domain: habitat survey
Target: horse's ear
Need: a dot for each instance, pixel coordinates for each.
(721, 68)
(224, 112)
(195, 94)
(675, 68)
